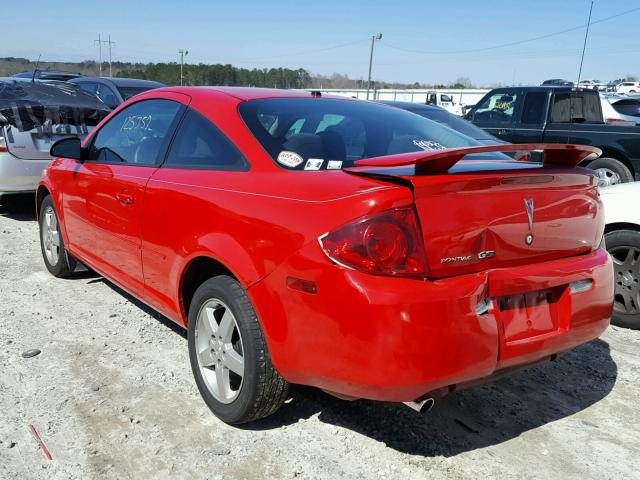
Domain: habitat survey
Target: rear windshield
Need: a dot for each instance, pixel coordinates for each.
(322, 133)
(128, 92)
(627, 107)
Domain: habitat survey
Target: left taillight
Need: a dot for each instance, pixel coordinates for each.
(3, 143)
(387, 243)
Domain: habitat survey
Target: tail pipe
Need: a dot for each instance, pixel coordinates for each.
(421, 406)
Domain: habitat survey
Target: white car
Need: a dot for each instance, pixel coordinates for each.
(620, 109)
(622, 236)
(628, 87)
(33, 116)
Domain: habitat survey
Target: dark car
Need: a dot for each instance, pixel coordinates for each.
(115, 90)
(48, 75)
(557, 82)
(440, 115)
(561, 115)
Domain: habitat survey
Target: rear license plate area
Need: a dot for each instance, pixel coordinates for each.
(530, 314)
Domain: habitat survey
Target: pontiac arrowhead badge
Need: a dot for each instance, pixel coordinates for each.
(528, 206)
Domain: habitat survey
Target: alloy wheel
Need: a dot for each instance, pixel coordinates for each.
(626, 264)
(219, 350)
(607, 177)
(51, 236)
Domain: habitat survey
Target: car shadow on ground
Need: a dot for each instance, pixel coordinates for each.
(21, 207)
(97, 278)
(463, 421)
(470, 419)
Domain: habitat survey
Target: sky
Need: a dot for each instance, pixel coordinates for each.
(423, 41)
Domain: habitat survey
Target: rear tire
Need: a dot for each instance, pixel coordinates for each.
(611, 171)
(59, 263)
(624, 247)
(229, 356)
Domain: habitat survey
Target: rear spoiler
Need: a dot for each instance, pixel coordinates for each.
(440, 161)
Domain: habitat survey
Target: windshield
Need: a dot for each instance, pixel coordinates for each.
(128, 92)
(318, 133)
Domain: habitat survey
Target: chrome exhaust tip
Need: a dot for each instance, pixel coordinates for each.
(422, 406)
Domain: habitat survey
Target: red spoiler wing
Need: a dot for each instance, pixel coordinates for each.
(440, 161)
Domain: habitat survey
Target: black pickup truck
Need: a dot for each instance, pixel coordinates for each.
(561, 115)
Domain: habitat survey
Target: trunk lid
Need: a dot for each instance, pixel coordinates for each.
(479, 215)
(35, 144)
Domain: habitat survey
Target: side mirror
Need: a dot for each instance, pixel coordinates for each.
(67, 148)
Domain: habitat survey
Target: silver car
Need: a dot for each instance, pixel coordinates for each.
(621, 109)
(34, 115)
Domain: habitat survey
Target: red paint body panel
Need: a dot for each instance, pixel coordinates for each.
(360, 335)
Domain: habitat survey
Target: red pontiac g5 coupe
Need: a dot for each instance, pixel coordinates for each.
(331, 242)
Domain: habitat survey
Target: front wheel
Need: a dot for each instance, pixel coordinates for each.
(624, 247)
(56, 259)
(229, 356)
(611, 171)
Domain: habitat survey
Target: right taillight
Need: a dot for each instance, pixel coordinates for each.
(3, 144)
(387, 243)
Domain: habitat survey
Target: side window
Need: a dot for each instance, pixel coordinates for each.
(199, 144)
(88, 87)
(107, 96)
(534, 108)
(135, 135)
(496, 108)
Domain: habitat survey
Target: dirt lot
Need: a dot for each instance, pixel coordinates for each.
(112, 396)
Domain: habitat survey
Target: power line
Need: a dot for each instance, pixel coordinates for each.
(511, 44)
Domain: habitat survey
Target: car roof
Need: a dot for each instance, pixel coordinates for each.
(247, 93)
(545, 88)
(118, 81)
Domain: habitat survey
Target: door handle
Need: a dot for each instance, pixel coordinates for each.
(124, 198)
(503, 131)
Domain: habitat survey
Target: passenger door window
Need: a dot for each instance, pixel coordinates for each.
(496, 108)
(200, 145)
(136, 135)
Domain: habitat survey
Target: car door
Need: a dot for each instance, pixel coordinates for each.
(496, 113)
(103, 198)
(181, 198)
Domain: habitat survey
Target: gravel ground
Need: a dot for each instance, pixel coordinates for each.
(112, 396)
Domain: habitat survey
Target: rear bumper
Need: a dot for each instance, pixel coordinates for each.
(18, 175)
(395, 339)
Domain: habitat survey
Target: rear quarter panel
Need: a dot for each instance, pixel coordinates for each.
(248, 221)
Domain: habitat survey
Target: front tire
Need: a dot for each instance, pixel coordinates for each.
(229, 356)
(624, 248)
(59, 263)
(611, 171)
